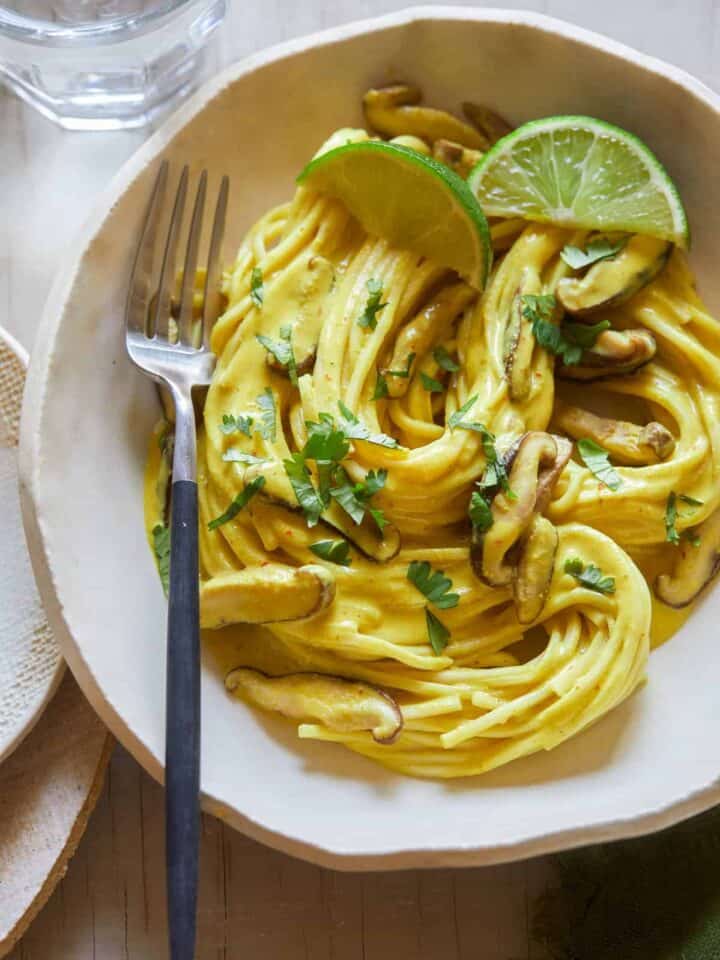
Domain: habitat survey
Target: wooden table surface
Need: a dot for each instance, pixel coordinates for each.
(256, 903)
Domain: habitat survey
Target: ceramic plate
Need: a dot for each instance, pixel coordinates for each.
(30, 662)
(89, 413)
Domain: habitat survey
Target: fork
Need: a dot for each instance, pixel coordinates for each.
(179, 360)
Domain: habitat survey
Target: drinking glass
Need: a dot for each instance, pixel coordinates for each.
(104, 64)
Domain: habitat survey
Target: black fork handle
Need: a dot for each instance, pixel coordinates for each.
(182, 738)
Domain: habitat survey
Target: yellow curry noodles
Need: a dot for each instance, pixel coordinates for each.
(495, 688)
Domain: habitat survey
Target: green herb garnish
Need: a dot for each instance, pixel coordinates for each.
(495, 473)
(381, 388)
(257, 291)
(307, 496)
(232, 455)
(479, 512)
(240, 501)
(589, 576)
(334, 551)
(373, 306)
(438, 633)
(444, 360)
(598, 249)
(433, 584)
(268, 418)
(354, 497)
(431, 384)
(672, 513)
(403, 373)
(161, 546)
(596, 459)
(567, 341)
(282, 351)
(232, 424)
(355, 430)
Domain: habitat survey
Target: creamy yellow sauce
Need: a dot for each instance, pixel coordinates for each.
(489, 696)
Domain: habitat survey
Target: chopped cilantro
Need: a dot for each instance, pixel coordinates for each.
(373, 306)
(444, 360)
(431, 384)
(567, 341)
(479, 512)
(232, 424)
(268, 418)
(596, 459)
(240, 501)
(381, 388)
(334, 551)
(672, 514)
(257, 290)
(598, 249)
(438, 633)
(161, 546)
(355, 430)
(307, 496)
(282, 351)
(433, 584)
(403, 373)
(232, 455)
(589, 576)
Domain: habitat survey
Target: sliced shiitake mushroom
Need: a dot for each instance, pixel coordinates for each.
(695, 566)
(345, 706)
(489, 551)
(519, 341)
(548, 476)
(534, 569)
(266, 594)
(454, 155)
(628, 443)
(491, 125)
(613, 281)
(366, 536)
(615, 352)
(394, 111)
(424, 329)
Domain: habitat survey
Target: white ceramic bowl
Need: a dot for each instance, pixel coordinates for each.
(88, 414)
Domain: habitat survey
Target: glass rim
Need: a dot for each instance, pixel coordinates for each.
(35, 30)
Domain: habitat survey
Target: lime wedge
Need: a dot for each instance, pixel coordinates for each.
(580, 172)
(410, 200)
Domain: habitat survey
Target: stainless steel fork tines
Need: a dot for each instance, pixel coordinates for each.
(176, 354)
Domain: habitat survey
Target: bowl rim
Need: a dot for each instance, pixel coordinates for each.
(528, 844)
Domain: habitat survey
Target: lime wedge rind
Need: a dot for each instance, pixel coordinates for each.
(411, 200)
(583, 173)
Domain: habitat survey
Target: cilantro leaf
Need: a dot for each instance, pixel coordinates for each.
(306, 495)
(282, 351)
(373, 306)
(381, 388)
(596, 459)
(268, 418)
(672, 513)
(567, 341)
(354, 497)
(257, 290)
(379, 518)
(334, 551)
(438, 633)
(589, 576)
(403, 373)
(598, 249)
(161, 546)
(479, 512)
(325, 442)
(231, 424)
(354, 430)
(240, 501)
(431, 384)
(443, 359)
(455, 419)
(433, 584)
(232, 455)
